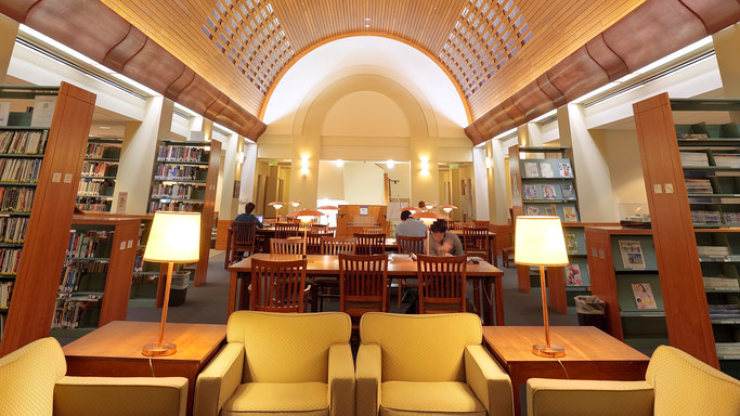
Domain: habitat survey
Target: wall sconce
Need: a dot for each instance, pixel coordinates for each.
(339, 163)
(390, 163)
(304, 165)
(425, 166)
(489, 163)
(241, 157)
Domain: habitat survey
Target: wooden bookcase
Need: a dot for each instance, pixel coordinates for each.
(185, 179)
(612, 277)
(96, 275)
(99, 171)
(36, 280)
(672, 207)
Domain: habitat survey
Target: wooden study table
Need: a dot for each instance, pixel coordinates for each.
(319, 265)
(590, 354)
(114, 350)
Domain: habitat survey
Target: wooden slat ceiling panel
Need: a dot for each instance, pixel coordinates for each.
(534, 35)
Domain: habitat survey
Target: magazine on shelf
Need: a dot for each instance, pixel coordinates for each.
(565, 170)
(4, 112)
(546, 169)
(530, 192)
(551, 211)
(548, 192)
(632, 255)
(530, 170)
(727, 160)
(644, 296)
(533, 210)
(570, 214)
(567, 191)
(694, 159)
(571, 243)
(573, 275)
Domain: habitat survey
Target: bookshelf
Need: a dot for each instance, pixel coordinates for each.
(614, 255)
(99, 171)
(691, 194)
(96, 277)
(32, 263)
(185, 179)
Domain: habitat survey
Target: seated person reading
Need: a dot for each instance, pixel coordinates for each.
(247, 216)
(444, 243)
(410, 227)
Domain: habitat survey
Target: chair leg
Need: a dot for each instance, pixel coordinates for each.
(400, 292)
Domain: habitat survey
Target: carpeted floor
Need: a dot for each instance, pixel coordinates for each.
(207, 303)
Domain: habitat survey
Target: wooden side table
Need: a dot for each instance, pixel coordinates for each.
(114, 350)
(590, 354)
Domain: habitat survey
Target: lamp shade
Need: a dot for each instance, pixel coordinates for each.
(277, 204)
(306, 214)
(539, 241)
(175, 237)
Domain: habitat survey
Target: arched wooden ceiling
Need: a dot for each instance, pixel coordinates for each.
(511, 59)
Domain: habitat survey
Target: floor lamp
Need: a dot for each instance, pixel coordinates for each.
(539, 242)
(174, 238)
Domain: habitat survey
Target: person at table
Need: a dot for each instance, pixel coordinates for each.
(247, 216)
(444, 243)
(410, 227)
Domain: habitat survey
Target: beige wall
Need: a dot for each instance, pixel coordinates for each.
(625, 167)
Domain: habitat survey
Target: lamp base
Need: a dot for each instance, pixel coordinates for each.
(554, 351)
(154, 350)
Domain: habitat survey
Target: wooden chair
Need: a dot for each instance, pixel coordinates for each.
(313, 242)
(293, 245)
(319, 228)
(322, 286)
(278, 286)
(373, 230)
(408, 245)
(463, 225)
(441, 284)
(475, 242)
(369, 244)
(240, 240)
(285, 230)
(363, 285)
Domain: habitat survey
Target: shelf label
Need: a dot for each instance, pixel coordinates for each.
(56, 177)
(67, 178)
(657, 188)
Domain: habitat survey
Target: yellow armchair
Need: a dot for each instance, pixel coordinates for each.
(33, 383)
(280, 364)
(676, 384)
(428, 365)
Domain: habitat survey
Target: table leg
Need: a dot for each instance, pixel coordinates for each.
(498, 292)
(493, 255)
(232, 294)
(476, 298)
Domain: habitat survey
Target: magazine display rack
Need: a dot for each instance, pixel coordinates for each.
(691, 176)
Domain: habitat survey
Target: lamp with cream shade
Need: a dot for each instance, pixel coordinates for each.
(174, 238)
(539, 242)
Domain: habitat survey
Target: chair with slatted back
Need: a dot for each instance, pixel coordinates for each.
(409, 245)
(293, 245)
(462, 225)
(323, 286)
(369, 244)
(240, 241)
(319, 228)
(313, 242)
(441, 284)
(285, 230)
(475, 242)
(277, 286)
(373, 230)
(363, 285)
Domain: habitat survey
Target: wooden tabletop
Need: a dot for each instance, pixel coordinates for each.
(513, 344)
(329, 265)
(125, 339)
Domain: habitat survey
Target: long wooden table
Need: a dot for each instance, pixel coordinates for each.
(318, 265)
(590, 354)
(491, 244)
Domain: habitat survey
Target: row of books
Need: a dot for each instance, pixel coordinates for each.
(99, 169)
(91, 188)
(75, 312)
(89, 244)
(180, 154)
(2, 325)
(144, 279)
(6, 291)
(177, 191)
(20, 170)
(731, 311)
(692, 136)
(73, 272)
(706, 217)
(699, 186)
(13, 229)
(700, 159)
(181, 206)
(9, 260)
(720, 282)
(101, 206)
(713, 251)
(16, 199)
(23, 142)
(694, 159)
(102, 151)
(728, 348)
(180, 173)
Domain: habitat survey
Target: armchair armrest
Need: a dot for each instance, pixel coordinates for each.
(489, 381)
(341, 380)
(368, 379)
(219, 380)
(548, 397)
(120, 396)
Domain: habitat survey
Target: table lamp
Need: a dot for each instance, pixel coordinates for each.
(174, 238)
(539, 242)
(295, 204)
(277, 205)
(447, 208)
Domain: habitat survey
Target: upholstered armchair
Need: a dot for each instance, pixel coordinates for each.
(278, 363)
(428, 365)
(33, 382)
(676, 384)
